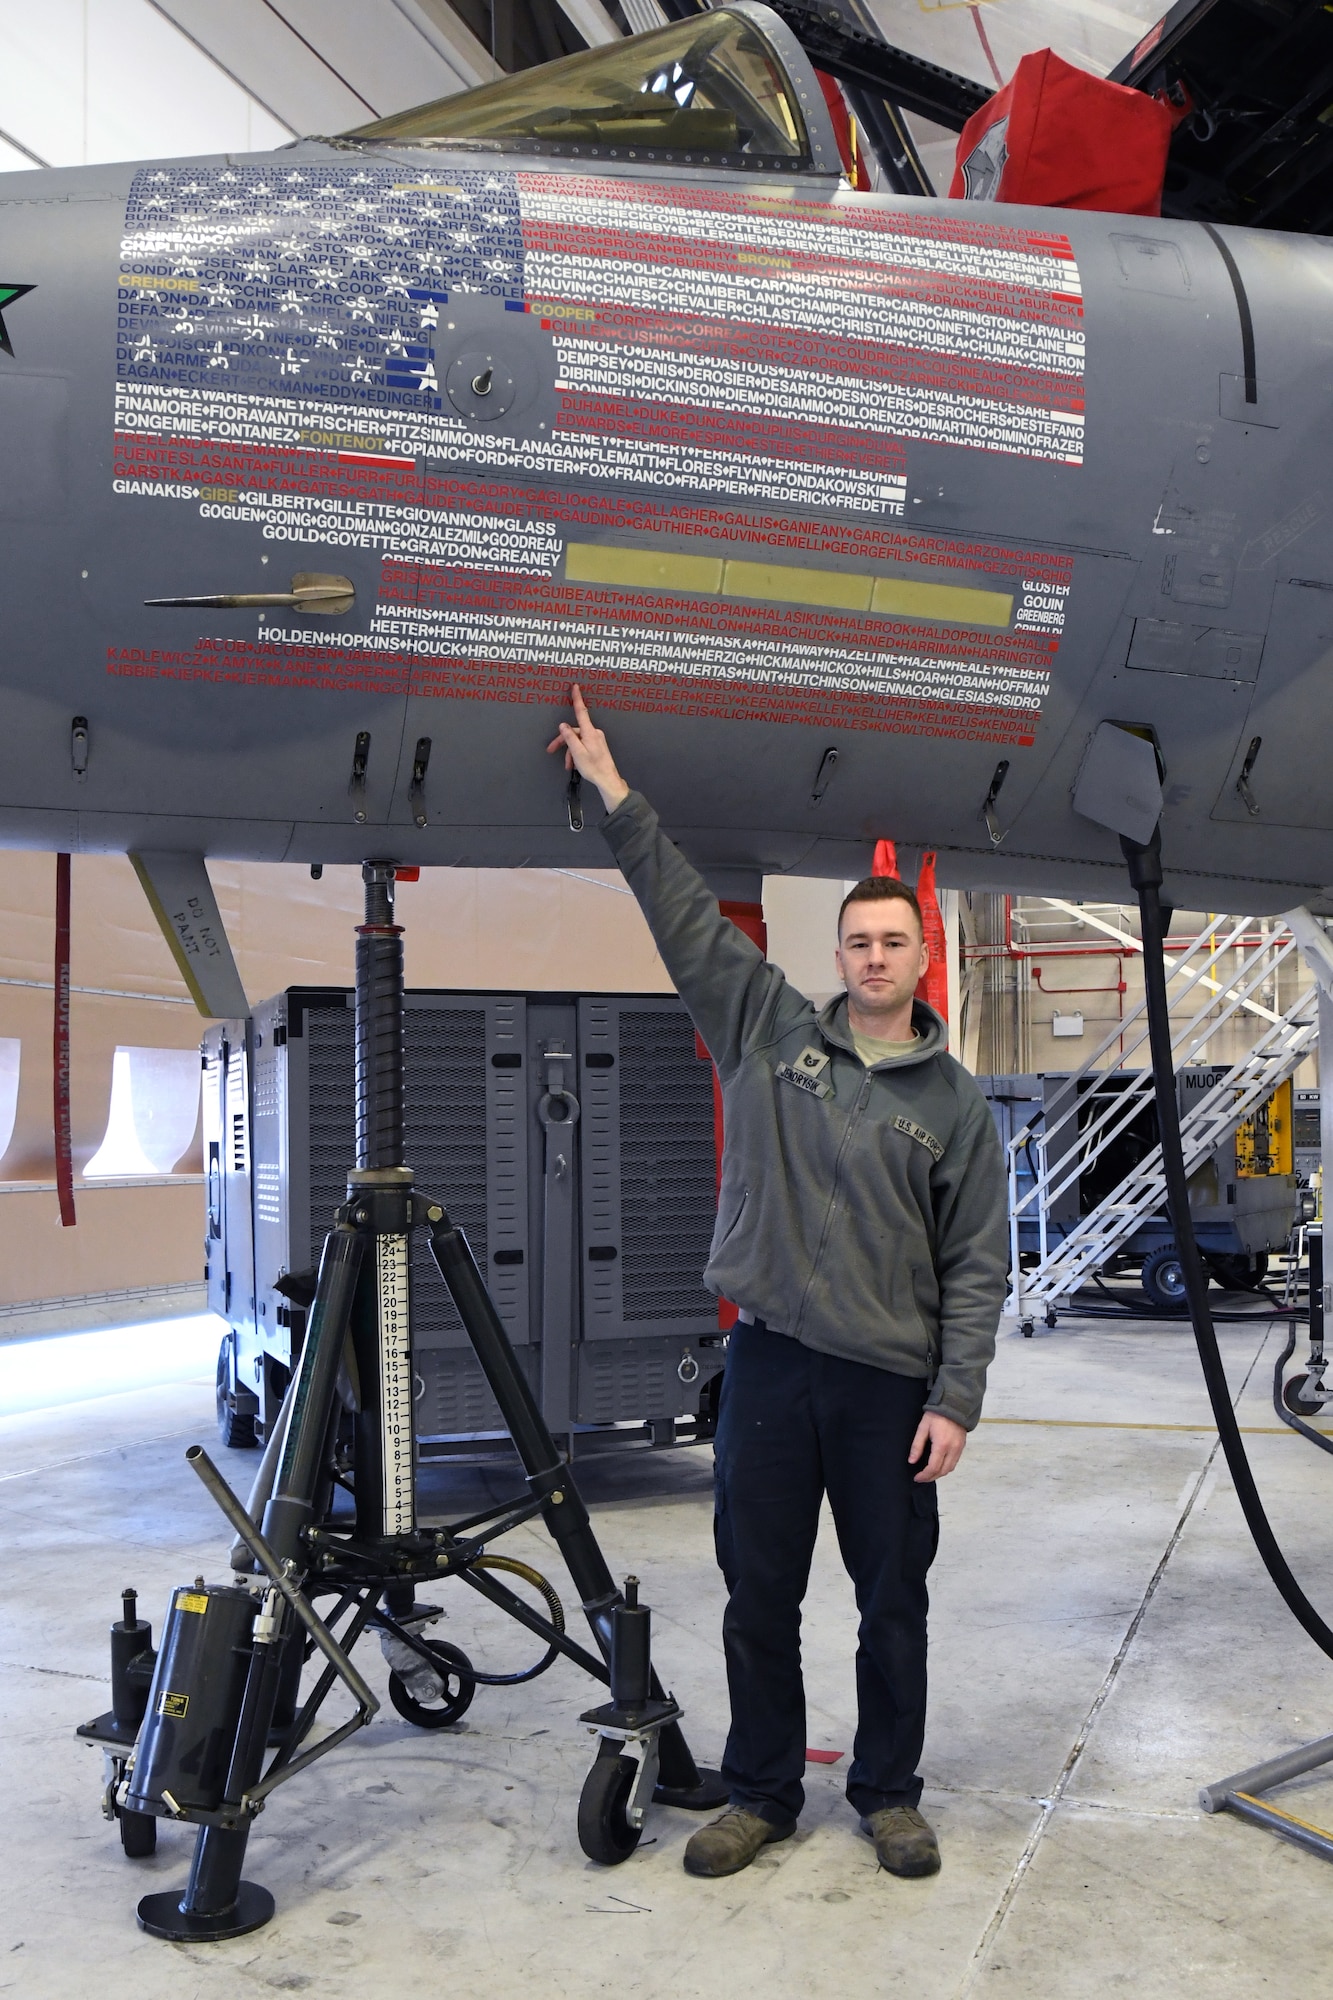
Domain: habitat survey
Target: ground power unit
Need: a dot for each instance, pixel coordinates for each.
(573, 1139)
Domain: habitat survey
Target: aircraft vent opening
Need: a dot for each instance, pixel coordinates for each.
(708, 91)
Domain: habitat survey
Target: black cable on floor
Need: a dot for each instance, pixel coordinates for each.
(1122, 1309)
(1224, 1318)
(1293, 1422)
(1145, 873)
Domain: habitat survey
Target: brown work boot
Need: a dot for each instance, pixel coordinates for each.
(905, 1843)
(731, 1843)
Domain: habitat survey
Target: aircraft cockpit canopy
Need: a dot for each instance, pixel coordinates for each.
(708, 91)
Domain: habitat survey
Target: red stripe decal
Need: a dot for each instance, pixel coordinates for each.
(60, 1050)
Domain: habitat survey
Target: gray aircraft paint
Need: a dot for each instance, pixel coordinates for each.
(1192, 537)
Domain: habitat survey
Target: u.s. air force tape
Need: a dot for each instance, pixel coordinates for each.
(920, 1134)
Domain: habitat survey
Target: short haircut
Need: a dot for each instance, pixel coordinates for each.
(882, 889)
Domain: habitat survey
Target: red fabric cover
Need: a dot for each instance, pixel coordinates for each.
(60, 1049)
(748, 917)
(846, 134)
(933, 985)
(1056, 137)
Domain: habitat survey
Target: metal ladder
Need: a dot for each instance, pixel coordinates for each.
(1063, 1152)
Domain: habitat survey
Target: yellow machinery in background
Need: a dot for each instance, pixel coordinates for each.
(1265, 1143)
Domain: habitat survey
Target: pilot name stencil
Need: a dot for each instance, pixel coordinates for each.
(699, 359)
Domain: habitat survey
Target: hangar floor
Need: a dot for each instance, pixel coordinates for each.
(1104, 1641)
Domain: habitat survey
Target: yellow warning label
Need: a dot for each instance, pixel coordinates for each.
(192, 1600)
(175, 1705)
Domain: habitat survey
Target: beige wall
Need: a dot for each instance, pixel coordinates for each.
(127, 1239)
(465, 928)
(469, 927)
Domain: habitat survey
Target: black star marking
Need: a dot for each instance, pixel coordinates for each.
(8, 294)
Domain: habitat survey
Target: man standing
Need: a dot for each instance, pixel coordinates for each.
(861, 1232)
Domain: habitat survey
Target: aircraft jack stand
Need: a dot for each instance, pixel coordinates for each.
(225, 1680)
(1240, 1795)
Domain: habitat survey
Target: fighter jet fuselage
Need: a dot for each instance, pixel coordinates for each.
(772, 468)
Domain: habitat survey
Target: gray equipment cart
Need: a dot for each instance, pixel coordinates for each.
(575, 1134)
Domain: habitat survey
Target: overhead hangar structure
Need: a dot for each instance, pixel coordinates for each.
(339, 462)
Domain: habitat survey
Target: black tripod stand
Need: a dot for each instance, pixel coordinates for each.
(231, 1655)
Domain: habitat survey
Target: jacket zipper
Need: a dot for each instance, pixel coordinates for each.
(852, 1123)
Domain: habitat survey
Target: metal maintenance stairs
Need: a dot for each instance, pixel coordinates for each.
(1063, 1151)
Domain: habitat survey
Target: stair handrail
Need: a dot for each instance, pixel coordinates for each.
(1125, 1105)
(1122, 1107)
(1224, 1106)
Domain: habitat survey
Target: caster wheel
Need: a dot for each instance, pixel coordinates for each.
(455, 1670)
(605, 1834)
(138, 1834)
(1299, 1405)
(1163, 1280)
(1027, 1329)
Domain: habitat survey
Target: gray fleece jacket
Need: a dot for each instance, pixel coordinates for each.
(862, 1212)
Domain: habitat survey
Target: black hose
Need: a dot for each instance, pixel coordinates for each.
(1145, 873)
(1121, 1309)
(546, 1589)
(1155, 1318)
(1293, 1422)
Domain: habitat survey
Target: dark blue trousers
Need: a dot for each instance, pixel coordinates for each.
(794, 1425)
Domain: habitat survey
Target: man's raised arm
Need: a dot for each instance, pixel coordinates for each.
(735, 998)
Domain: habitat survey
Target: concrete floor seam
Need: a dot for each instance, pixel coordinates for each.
(83, 1457)
(1049, 1805)
(1080, 1804)
(56, 1673)
(1061, 1785)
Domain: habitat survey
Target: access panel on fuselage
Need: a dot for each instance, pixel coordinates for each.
(1282, 760)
